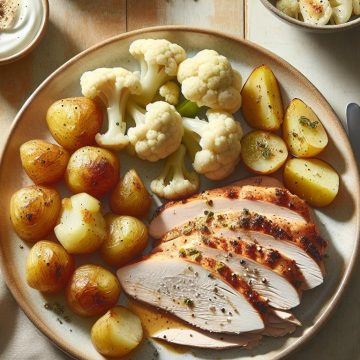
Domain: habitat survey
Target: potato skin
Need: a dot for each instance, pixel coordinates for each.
(43, 162)
(262, 104)
(74, 122)
(92, 170)
(34, 211)
(130, 196)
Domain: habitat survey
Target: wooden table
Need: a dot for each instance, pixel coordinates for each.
(332, 62)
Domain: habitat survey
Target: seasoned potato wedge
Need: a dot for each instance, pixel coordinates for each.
(117, 333)
(127, 238)
(92, 170)
(302, 130)
(263, 152)
(44, 162)
(81, 228)
(74, 122)
(130, 196)
(262, 105)
(34, 211)
(313, 180)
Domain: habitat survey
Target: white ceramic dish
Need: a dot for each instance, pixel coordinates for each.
(339, 223)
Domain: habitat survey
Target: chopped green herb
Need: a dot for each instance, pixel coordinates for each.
(188, 302)
(303, 120)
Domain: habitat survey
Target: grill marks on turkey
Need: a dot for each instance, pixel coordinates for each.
(230, 261)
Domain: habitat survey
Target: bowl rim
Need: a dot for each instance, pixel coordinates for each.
(329, 307)
(35, 41)
(321, 28)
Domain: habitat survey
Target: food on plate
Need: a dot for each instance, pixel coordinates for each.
(93, 170)
(92, 290)
(175, 181)
(158, 130)
(312, 179)
(208, 79)
(356, 7)
(188, 108)
(289, 7)
(74, 122)
(127, 238)
(130, 196)
(170, 91)
(48, 267)
(34, 211)
(303, 132)
(111, 86)
(214, 144)
(44, 162)
(341, 10)
(117, 332)
(262, 104)
(263, 152)
(81, 228)
(159, 60)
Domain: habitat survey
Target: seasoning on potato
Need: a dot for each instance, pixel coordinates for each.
(127, 238)
(313, 180)
(34, 211)
(48, 267)
(303, 132)
(74, 122)
(43, 162)
(93, 170)
(92, 290)
(262, 105)
(130, 196)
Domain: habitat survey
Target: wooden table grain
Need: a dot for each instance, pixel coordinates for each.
(75, 25)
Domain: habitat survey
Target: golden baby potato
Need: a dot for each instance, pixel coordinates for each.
(130, 196)
(303, 132)
(313, 180)
(127, 238)
(34, 211)
(262, 105)
(117, 332)
(43, 162)
(48, 267)
(92, 170)
(74, 122)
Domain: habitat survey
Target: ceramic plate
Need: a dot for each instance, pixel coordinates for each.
(339, 222)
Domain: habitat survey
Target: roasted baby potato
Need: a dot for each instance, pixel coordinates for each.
(263, 152)
(117, 332)
(74, 122)
(302, 130)
(127, 238)
(130, 196)
(92, 170)
(48, 267)
(34, 211)
(92, 290)
(262, 105)
(313, 180)
(81, 228)
(44, 162)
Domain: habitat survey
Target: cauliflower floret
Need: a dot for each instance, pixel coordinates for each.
(214, 145)
(315, 12)
(175, 181)
(159, 60)
(158, 131)
(170, 91)
(289, 7)
(209, 80)
(112, 86)
(341, 10)
(356, 7)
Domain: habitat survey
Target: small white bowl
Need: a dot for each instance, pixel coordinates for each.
(31, 41)
(270, 4)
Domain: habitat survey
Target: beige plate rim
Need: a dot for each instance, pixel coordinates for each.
(11, 281)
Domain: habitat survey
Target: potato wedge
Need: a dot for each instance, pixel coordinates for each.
(263, 152)
(313, 180)
(303, 132)
(262, 105)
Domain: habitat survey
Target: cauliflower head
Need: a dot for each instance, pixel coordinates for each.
(170, 91)
(158, 131)
(209, 80)
(112, 86)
